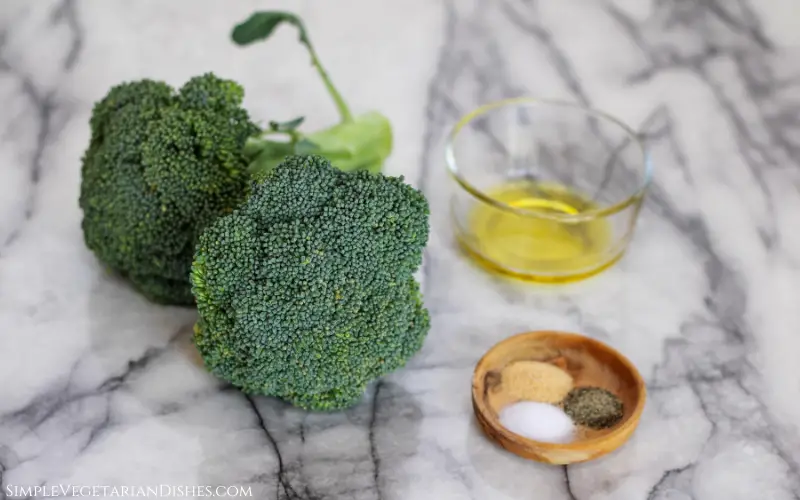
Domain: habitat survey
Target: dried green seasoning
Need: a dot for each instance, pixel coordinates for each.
(593, 407)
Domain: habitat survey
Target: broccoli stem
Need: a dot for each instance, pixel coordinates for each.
(362, 142)
(344, 110)
(260, 25)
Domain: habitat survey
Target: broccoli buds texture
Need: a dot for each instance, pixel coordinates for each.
(161, 166)
(306, 292)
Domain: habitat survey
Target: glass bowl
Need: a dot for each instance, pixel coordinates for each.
(546, 191)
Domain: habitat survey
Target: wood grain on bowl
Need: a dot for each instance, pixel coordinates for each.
(589, 362)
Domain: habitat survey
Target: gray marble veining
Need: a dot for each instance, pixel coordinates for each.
(102, 388)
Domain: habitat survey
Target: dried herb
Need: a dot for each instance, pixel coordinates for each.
(593, 407)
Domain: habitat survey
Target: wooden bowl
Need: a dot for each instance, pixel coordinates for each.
(590, 362)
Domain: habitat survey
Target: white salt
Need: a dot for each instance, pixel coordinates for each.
(538, 421)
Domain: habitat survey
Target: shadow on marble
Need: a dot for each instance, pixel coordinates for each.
(500, 469)
(347, 454)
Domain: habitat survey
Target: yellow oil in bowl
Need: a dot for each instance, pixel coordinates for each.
(537, 246)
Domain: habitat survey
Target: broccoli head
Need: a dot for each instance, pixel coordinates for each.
(160, 166)
(306, 291)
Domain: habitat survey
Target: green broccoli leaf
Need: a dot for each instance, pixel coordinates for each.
(260, 26)
(305, 147)
(264, 155)
(286, 126)
(253, 147)
(363, 144)
(355, 143)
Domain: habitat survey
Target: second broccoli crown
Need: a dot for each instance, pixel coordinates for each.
(161, 165)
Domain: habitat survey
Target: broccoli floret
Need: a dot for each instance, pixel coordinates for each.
(307, 292)
(160, 167)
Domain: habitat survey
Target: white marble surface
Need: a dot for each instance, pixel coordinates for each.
(101, 388)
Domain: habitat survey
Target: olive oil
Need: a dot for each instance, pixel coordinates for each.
(537, 245)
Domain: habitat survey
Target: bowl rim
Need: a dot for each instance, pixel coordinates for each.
(628, 425)
(631, 199)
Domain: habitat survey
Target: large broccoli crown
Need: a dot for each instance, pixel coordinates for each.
(306, 292)
(160, 167)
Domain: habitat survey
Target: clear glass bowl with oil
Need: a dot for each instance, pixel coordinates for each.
(545, 191)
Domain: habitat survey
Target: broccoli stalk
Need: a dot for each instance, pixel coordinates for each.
(360, 142)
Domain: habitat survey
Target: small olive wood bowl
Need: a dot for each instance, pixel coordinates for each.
(591, 363)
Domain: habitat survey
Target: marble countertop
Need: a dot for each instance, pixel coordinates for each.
(100, 387)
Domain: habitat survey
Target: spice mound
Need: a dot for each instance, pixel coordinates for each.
(536, 381)
(593, 407)
(539, 421)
